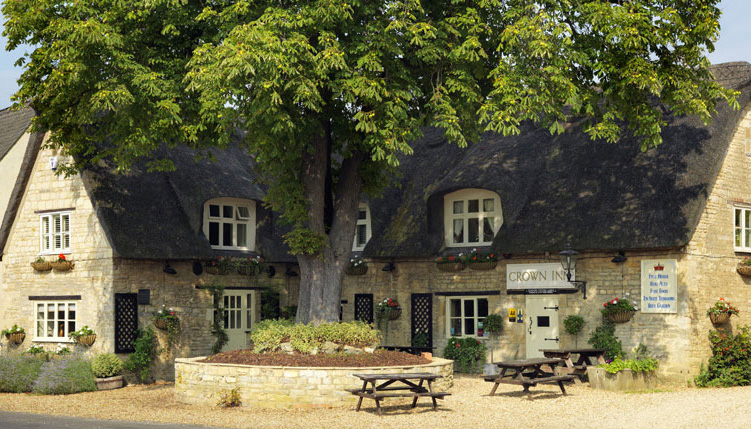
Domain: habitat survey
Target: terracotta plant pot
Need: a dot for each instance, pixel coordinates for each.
(16, 337)
(744, 270)
(41, 266)
(86, 340)
(357, 271)
(719, 318)
(109, 383)
(450, 267)
(483, 266)
(62, 265)
(620, 316)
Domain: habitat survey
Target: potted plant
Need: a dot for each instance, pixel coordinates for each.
(450, 263)
(356, 267)
(637, 373)
(388, 309)
(84, 336)
(744, 266)
(481, 261)
(618, 310)
(14, 335)
(721, 311)
(493, 325)
(573, 325)
(167, 320)
(40, 264)
(107, 370)
(62, 263)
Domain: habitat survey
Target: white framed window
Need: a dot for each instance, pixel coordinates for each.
(54, 234)
(362, 229)
(230, 223)
(463, 314)
(54, 320)
(472, 217)
(742, 242)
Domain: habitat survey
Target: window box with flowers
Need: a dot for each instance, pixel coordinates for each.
(84, 336)
(14, 335)
(450, 263)
(744, 267)
(721, 311)
(388, 309)
(62, 263)
(250, 266)
(618, 310)
(482, 261)
(356, 267)
(41, 265)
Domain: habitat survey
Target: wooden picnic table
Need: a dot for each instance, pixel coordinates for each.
(527, 373)
(397, 385)
(578, 368)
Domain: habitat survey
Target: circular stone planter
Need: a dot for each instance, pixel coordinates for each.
(286, 387)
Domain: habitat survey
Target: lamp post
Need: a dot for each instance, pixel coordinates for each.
(568, 262)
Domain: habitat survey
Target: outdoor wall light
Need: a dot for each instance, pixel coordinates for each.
(289, 272)
(169, 270)
(271, 271)
(568, 262)
(389, 267)
(620, 257)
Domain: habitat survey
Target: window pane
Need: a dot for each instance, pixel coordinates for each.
(747, 235)
(45, 225)
(213, 210)
(473, 230)
(56, 223)
(249, 312)
(488, 205)
(458, 231)
(50, 328)
(214, 233)
(456, 326)
(469, 326)
(362, 231)
(747, 218)
(482, 307)
(46, 242)
(242, 235)
(738, 237)
(71, 311)
(40, 328)
(227, 234)
(243, 212)
(66, 241)
(469, 308)
(455, 308)
(71, 327)
(488, 232)
(61, 311)
(362, 215)
(226, 320)
(50, 311)
(473, 206)
(58, 241)
(543, 321)
(66, 223)
(458, 207)
(227, 212)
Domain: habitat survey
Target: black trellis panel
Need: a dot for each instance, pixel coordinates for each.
(422, 321)
(364, 307)
(126, 322)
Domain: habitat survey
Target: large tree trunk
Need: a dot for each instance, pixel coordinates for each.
(321, 273)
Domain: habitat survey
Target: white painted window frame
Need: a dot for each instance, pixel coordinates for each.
(250, 222)
(465, 195)
(744, 247)
(55, 338)
(366, 222)
(51, 234)
(463, 319)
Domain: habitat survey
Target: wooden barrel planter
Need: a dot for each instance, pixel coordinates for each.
(744, 270)
(357, 271)
(620, 316)
(86, 340)
(449, 268)
(16, 337)
(719, 318)
(41, 266)
(483, 266)
(62, 265)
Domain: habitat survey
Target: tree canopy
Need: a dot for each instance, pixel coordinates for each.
(330, 92)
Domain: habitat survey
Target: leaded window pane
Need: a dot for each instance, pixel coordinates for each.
(738, 218)
(65, 223)
(456, 326)
(458, 207)
(473, 206)
(458, 231)
(362, 232)
(473, 230)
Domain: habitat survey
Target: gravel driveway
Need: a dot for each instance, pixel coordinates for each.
(468, 407)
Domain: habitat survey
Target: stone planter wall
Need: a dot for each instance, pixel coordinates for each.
(625, 380)
(285, 387)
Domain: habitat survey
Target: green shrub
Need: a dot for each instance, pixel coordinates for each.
(18, 373)
(107, 365)
(64, 376)
(573, 324)
(603, 337)
(730, 364)
(467, 353)
(493, 324)
(641, 362)
(139, 362)
(268, 335)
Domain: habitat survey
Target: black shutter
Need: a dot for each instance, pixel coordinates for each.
(422, 321)
(126, 322)
(364, 307)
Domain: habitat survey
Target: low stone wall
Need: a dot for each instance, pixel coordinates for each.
(285, 387)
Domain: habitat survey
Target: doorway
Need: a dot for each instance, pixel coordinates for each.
(541, 323)
(239, 315)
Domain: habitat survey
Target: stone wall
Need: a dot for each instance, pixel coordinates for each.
(284, 387)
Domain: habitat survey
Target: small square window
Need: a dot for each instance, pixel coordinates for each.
(473, 206)
(213, 210)
(227, 212)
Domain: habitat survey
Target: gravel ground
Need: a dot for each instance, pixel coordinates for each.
(468, 407)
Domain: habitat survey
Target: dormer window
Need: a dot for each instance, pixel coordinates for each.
(230, 223)
(471, 217)
(362, 230)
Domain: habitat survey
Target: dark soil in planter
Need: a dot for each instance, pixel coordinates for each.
(379, 358)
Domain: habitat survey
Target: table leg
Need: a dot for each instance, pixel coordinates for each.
(430, 389)
(364, 389)
(378, 406)
(563, 389)
(414, 400)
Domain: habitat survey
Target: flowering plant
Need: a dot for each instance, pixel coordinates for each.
(61, 258)
(62, 350)
(165, 313)
(387, 304)
(466, 352)
(83, 332)
(356, 262)
(39, 260)
(35, 349)
(745, 261)
(476, 256)
(722, 306)
(449, 259)
(617, 305)
(14, 330)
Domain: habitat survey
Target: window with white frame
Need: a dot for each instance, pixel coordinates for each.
(54, 234)
(742, 241)
(54, 320)
(362, 230)
(230, 223)
(463, 314)
(472, 217)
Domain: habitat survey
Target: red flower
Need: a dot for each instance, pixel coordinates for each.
(171, 313)
(451, 258)
(61, 257)
(605, 304)
(474, 258)
(457, 345)
(492, 255)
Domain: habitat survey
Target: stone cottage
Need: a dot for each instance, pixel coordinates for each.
(664, 228)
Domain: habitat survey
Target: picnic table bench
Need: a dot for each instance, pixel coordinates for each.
(578, 368)
(528, 373)
(405, 388)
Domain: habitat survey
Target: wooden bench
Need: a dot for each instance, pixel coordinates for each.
(406, 389)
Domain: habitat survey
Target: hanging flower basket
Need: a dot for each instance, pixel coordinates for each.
(393, 313)
(744, 270)
(86, 340)
(483, 266)
(620, 316)
(16, 337)
(161, 323)
(448, 267)
(41, 266)
(62, 265)
(357, 271)
(719, 318)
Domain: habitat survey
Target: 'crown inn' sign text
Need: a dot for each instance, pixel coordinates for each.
(537, 276)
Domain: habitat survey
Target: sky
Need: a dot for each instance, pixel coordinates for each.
(735, 32)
